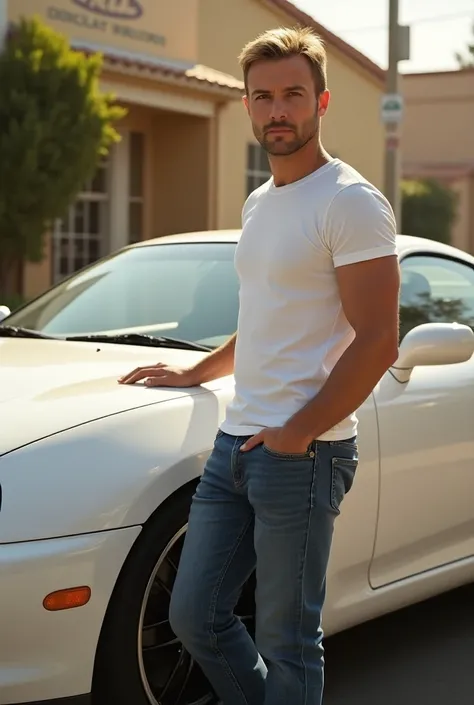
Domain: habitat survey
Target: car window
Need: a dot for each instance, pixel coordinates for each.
(187, 291)
(435, 290)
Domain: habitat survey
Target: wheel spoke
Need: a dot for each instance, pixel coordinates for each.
(163, 645)
(172, 563)
(246, 617)
(178, 679)
(186, 681)
(163, 585)
(155, 625)
(158, 636)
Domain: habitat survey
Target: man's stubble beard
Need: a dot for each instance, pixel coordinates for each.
(286, 149)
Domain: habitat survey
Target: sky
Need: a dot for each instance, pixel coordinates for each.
(439, 28)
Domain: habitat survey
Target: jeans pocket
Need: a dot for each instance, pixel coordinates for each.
(276, 455)
(342, 476)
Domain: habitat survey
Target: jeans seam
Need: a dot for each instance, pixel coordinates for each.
(234, 460)
(302, 576)
(333, 487)
(212, 612)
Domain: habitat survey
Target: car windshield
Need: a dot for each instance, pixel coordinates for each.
(184, 290)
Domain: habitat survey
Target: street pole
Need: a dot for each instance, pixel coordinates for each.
(392, 134)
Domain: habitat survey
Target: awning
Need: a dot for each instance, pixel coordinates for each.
(198, 77)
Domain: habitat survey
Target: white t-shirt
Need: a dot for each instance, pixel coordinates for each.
(291, 328)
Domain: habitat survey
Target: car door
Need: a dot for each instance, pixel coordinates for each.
(426, 426)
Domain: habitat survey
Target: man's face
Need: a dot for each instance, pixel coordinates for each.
(282, 104)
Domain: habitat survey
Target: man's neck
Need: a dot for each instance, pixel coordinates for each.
(288, 169)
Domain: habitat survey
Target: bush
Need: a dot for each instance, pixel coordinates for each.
(13, 301)
(428, 209)
(54, 126)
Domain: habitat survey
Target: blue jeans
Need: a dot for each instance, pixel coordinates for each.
(273, 513)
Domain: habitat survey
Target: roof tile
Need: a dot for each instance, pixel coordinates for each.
(198, 74)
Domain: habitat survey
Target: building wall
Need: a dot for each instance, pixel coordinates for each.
(148, 27)
(352, 128)
(438, 139)
(439, 117)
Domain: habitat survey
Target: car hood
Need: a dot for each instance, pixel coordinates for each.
(48, 386)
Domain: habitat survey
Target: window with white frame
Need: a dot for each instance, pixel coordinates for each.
(136, 148)
(258, 168)
(108, 213)
(82, 236)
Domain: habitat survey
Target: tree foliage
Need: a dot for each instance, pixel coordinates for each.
(466, 59)
(428, 209)
(55, 125)
(433, 310)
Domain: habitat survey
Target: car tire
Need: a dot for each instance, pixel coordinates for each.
(119, 667)
(118, 673)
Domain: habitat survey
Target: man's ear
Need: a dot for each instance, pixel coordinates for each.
(245, 101)
(323, 101)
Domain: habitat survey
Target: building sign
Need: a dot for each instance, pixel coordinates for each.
(107, 27)
(142, 27)
(118, 9)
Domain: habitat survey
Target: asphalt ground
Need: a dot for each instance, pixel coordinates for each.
(422, 655)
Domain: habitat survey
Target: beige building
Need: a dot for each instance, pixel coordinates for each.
(438, 139)
(187, 158)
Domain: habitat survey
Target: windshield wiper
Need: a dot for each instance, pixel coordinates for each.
(122, 339)
(140, 339)
(14, 332)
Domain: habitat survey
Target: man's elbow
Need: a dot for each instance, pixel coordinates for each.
(388, 348)
(382, 346)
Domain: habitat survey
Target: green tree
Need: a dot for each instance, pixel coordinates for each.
(55, 125)
(428, 209)
(466, 60)
(427, 309)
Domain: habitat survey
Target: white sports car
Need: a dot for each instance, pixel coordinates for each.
(96, 478)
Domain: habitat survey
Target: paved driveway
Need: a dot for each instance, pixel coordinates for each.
(423, 655)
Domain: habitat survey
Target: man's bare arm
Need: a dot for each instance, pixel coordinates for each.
(218, 363)
(370, 298)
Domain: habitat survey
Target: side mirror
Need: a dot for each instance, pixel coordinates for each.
(4, 312)
(433, 344)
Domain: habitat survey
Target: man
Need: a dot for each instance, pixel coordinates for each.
(318, 327)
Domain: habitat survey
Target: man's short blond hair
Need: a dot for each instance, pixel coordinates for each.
(283, 43)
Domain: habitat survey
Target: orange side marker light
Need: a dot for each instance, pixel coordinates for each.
(67, 599)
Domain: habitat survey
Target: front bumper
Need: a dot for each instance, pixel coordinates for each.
(49, 656)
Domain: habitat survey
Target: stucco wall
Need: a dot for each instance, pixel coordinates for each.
(439, 117)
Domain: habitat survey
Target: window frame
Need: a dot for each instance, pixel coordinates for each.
(65, 237)
(136, 199)
(258, 177)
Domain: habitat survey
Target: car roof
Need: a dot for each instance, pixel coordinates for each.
(407, 244)
(200, 236)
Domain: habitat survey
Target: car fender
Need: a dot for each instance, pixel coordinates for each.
(111, 473)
